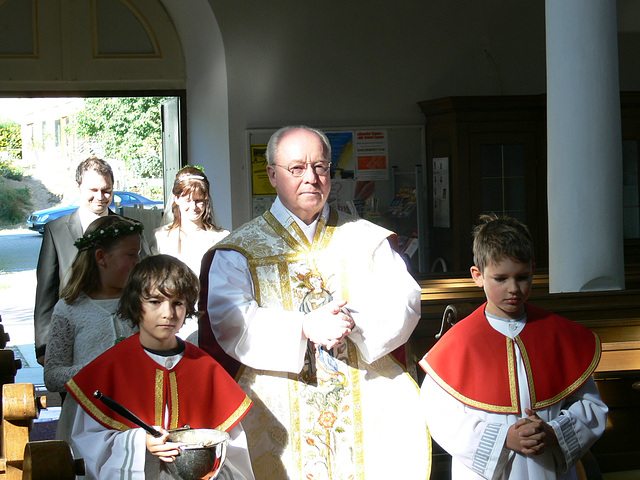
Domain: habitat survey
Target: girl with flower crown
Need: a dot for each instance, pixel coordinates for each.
(84, 323)
(193, 229)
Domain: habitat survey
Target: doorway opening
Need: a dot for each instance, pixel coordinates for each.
(56, 133)
(42, 140)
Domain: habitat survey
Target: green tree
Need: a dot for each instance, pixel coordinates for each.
(129, 128)
(11, 139)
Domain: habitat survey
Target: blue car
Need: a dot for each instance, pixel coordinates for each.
(37, 220)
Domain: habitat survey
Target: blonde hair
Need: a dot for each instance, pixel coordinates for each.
(496, 238)
(84, 275)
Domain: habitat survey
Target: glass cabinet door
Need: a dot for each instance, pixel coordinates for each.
(504, 188)
(630, 194)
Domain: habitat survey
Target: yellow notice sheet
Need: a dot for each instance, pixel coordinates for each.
(259, 176)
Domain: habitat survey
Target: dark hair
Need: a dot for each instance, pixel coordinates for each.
(496, 238)
(170, 276)
(274, 142)
(83, 274)
(94, 163)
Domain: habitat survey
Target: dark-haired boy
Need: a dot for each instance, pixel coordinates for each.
(165, 381)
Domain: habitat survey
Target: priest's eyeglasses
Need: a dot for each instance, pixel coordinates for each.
(298, 169)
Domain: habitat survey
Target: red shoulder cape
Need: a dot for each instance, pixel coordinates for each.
(198, 391)
(476, 364)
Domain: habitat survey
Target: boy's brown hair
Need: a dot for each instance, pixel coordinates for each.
(496, 238)
(170, 276)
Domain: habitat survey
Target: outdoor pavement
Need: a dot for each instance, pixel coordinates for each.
(19, 249)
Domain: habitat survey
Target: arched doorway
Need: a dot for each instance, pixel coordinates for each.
(118, 46)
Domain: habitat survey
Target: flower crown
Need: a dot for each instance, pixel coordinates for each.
(112, 231)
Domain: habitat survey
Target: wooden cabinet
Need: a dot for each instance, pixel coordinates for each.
(630, 112)
(496, 148)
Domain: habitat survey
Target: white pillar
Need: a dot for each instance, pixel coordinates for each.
(584, 147)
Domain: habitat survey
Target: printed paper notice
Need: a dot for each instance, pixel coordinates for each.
(371, 154)
(259, 175)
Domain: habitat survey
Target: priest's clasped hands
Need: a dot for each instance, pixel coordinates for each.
(328, 325)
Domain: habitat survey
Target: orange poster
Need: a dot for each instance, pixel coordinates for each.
(371, 154)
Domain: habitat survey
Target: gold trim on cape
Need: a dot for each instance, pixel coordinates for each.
(233, 418)
(468, 401)
(90, 407)
(535, 405)
(159, 394)
(173, 388)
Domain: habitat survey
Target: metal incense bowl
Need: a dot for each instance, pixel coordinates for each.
(202, 453)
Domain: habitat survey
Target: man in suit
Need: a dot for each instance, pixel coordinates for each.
(95, 184)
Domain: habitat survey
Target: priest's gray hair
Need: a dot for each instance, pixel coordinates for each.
(274, 142)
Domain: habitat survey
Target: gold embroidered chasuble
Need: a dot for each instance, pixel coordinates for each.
(340, 417)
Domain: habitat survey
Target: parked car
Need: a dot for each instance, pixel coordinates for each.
(38, 219)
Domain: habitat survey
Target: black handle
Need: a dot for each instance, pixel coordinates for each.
(126, 413)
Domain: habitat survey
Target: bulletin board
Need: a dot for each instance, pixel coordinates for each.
(403, 146)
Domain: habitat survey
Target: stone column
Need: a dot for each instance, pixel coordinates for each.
(584, 147)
